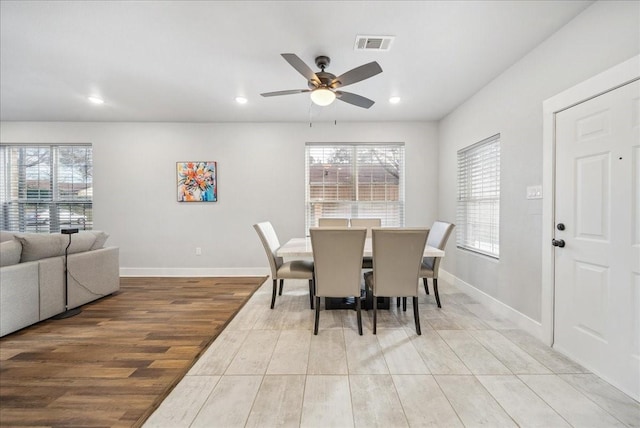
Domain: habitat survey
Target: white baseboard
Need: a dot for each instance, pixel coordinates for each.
(195, 272)
(499, 308)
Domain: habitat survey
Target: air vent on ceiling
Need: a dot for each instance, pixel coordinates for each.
(373, 43)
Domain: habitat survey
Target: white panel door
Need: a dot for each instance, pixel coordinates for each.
(597, 271)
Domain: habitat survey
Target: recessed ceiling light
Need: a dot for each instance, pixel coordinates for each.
(394, 100)
(95, 99)
(241, 100)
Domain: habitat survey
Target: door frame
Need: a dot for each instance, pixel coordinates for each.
(606, 81)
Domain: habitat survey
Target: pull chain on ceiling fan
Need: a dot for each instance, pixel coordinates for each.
(323, 85)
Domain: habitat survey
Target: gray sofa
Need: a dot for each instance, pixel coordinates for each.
(32, 275)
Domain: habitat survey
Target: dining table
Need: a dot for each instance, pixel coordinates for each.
(300, 248)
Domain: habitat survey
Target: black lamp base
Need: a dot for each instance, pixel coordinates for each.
(67, 314)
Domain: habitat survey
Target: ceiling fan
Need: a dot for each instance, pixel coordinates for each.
(323, 85)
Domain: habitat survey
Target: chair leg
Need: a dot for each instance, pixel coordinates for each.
(416, 316)
(435, 291)
(426, 285)
(315, 328)
(281, 285)
(273, 295)
(311, 293)
(359, 315)
(404, 304)
(397, 302)
(375, 316)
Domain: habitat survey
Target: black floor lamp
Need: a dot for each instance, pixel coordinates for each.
(67, 312)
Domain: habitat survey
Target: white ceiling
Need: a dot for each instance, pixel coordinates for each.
(187, 60)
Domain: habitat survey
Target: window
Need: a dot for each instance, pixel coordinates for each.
(355, 180)
(45, 188)
(478, 214)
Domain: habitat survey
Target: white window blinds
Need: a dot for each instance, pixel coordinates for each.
(45, 188)
(355, 181)
(478, 211)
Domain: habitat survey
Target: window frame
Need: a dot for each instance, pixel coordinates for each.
(353, 198)
(478, 197)
(45, 197)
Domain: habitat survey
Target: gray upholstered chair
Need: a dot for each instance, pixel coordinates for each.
(337, 256)
(333, 222)
(397, 258)
(369, 223)
(440, 232)
(295, 269)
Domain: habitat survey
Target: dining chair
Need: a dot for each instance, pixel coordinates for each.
(337, 256)
(397, 258)
(280, 270)
(369, 223)
(440, 232)
(333, 222)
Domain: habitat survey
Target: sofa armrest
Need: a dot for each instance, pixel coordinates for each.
(19, 298)
(92, 275)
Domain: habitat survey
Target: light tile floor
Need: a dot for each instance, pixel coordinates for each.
(468, 368)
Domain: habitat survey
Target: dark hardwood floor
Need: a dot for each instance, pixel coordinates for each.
(112, 365)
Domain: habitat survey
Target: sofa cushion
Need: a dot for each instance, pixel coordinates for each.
(10, 252)
(37, 246)
(80, 242)
(101, 238)
(5, 235)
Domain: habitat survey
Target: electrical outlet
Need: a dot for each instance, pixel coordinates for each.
(534, 192)
(198, 251)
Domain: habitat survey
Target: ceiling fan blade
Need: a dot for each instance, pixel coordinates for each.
(357, 74)
(301, 67)
(356, 100)
(289, 92)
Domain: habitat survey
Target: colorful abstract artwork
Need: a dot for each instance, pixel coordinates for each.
(197, 182)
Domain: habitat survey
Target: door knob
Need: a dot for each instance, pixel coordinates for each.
(557, 242)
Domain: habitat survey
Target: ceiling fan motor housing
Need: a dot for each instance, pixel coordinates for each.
(325, 80)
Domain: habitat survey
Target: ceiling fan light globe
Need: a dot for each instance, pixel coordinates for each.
(322, 96)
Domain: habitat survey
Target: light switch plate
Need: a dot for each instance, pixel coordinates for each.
(534, 192)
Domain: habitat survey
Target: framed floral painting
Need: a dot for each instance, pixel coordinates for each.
(197, 181)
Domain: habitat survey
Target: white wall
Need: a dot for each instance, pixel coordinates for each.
(605, 34)
(260, 177)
